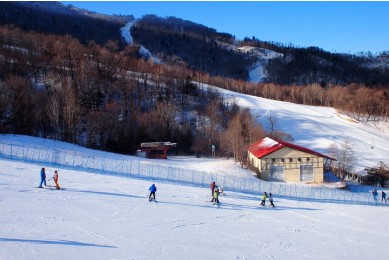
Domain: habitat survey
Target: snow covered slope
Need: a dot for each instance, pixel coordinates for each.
(106, 217)
(318, 127)
(257, 73)
(126, 34)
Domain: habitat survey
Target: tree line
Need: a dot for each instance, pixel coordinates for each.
(207, 50)
(55, 18)
(112, 99)
(356, 100)
(109, 98)
(200, 47)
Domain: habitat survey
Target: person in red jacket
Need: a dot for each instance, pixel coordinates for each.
(213, 186)
(56, 179)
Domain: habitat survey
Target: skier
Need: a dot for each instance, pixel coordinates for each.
(213, 187)
(43, 178)
(56, 180)
(383, 196)
(264, 197)
(375, 194)
(271, 200)
(216, 196)
(152, 190)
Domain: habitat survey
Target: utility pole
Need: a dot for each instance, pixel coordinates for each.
(213, 150)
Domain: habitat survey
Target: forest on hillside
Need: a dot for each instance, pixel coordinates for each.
(312, 65)
(107, 97)
(196, 45)
(59, 20)
(207, 50)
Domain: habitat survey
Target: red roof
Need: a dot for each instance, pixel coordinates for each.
(267, 146)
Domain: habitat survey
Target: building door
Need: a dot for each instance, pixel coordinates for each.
(306, 172)
(277, 173)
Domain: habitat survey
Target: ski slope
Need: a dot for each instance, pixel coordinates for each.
(318, 127)
(99, 216)
(125, 31)
(107, 217)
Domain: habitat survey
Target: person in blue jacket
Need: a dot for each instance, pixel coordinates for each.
(152, 190)
(375, 194)
(43, 178)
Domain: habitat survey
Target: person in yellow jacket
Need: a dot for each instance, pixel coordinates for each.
(264, 197)
(216, 196)
(56, 179)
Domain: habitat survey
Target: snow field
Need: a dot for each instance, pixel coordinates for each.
(178, 170)
(109, 217)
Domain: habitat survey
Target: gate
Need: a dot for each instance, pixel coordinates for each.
(306, 172)
(277, 173)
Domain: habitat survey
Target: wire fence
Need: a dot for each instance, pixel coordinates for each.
(120, 165)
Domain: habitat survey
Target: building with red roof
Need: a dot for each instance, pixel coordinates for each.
(155, 150)
(282, 161)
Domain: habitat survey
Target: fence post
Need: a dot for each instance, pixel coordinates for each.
(138, 168)
(130, 168)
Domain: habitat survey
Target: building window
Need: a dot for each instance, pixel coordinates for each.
(299, 159)
(290, 159)
(273, 160)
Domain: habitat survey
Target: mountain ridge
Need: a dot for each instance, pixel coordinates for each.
(202, 48)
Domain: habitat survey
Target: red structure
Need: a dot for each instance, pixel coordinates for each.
(155, 150)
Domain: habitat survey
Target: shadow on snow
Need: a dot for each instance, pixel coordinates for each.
(52, 242)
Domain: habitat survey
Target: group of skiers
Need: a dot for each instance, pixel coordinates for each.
(43, 178)
(215, 191)
(264, 197)
(152, 188)
(375, 195)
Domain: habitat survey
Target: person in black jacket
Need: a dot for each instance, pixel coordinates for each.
(271, 200)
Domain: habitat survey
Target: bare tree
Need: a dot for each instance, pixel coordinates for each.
(161, 121)
(53, 111)
(241, 132)
(22, 108)
(272, 124)
(344, 155)
(71, 112)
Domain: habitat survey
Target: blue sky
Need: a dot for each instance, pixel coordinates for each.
(347, 27)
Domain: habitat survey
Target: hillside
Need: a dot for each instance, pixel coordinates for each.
(220, 54)
(109, 217)
(318, 127)
(109, 98)
(55, 18)
(198, 47)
